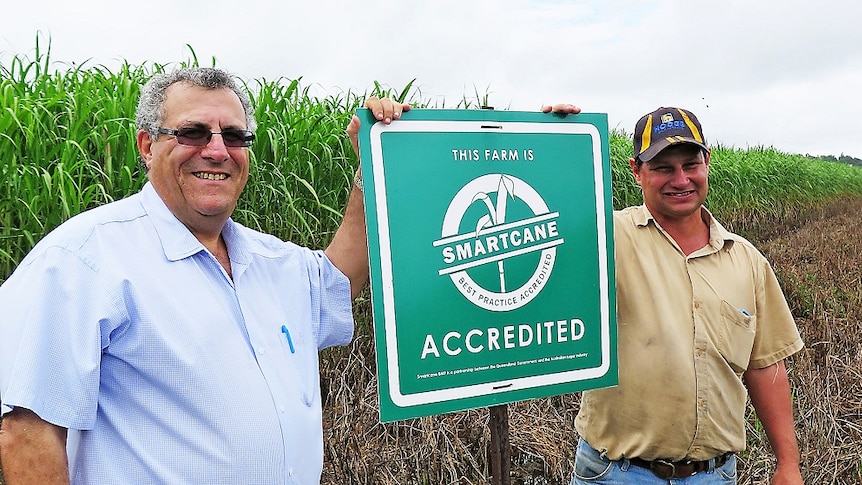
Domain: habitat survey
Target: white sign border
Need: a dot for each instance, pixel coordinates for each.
(389, 310)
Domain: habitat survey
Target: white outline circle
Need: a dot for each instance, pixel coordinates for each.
(462, 200)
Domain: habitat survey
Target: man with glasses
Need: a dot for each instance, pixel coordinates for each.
(155, 340)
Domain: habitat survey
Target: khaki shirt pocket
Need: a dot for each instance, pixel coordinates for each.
(736, 336)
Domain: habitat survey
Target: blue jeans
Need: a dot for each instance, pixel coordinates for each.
(592, 468)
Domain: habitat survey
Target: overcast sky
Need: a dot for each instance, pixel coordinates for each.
(782, 73)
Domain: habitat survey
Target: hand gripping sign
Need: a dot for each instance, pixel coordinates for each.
(489, 241)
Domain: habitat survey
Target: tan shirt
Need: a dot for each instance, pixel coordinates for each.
(688, 327)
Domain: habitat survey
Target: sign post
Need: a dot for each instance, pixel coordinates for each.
(498, 422)
(491, 251)
(500, 459)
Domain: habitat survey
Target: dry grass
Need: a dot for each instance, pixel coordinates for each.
(818, 258)
(820, 265)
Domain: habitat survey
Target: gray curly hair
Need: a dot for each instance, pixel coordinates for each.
(151, 105)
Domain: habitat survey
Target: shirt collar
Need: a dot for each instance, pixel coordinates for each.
(177, 241)
(718, 235)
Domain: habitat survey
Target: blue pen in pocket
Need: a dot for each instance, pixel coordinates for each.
(286, 333)
(743, 310)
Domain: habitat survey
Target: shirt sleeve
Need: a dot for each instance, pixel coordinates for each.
(777, 336)
(56, 321)
(330, 301)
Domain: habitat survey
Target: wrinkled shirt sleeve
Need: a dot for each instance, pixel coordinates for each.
(56, 323)
(331, 299)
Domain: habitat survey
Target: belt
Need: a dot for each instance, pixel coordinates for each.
(678, 469)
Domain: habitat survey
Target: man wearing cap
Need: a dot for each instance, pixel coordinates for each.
(701, 319)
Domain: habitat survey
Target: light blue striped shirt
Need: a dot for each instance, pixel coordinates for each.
(121, 325)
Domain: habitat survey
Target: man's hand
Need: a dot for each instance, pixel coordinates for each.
(385, 110)
(788, 474)
(562, 108)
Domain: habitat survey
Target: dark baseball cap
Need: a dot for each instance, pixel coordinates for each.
(665, 127)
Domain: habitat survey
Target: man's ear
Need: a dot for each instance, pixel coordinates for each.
(636, 171)
(145, 147)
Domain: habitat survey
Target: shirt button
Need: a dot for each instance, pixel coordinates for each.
(261, 350)
(282, 409)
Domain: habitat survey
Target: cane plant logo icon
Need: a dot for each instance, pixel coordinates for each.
(498, 242)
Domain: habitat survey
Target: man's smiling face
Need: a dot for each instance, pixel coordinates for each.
(674, 182)
(199, 184)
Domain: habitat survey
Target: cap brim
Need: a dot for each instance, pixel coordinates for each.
(663, 143)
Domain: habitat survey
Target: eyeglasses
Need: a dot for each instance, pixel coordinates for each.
(199, 137)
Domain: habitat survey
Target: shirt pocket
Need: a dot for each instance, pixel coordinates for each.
(736, 336)
(302, 363)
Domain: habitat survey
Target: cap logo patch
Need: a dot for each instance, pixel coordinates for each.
(667, 117)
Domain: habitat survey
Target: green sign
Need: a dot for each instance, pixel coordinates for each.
(491, 251)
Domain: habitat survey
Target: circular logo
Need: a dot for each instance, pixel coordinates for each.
(493, 221)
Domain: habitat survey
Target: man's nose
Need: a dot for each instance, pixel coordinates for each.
(679, 176)
(215, 149)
